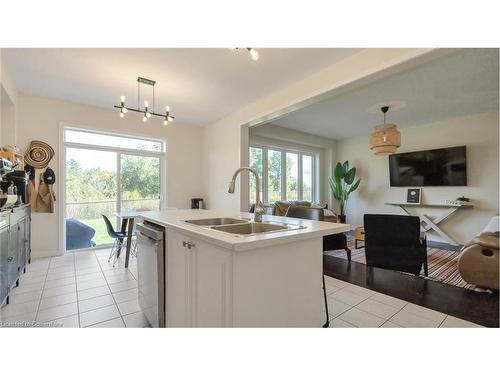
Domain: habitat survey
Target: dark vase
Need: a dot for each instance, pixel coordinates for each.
(341, 219)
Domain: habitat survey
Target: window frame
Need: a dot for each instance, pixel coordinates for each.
(265, 170)
(63, 145)
(111, 147)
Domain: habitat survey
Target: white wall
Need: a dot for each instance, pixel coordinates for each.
(278, 136)
(478, 132)
(8, 101)
(221, 157)
(40, 118)
(222, 142)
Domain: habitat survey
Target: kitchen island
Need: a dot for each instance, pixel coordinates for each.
(227, 276)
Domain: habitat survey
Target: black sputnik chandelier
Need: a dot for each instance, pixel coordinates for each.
(147, 110)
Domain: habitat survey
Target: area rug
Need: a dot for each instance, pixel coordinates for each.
(443, 264)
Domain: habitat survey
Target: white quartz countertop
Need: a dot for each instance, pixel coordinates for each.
(176, 219)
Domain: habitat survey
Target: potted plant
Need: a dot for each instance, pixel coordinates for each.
(342, 185)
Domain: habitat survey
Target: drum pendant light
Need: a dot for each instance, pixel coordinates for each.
(385, 138)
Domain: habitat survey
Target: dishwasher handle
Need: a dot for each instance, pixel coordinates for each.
(149, 232)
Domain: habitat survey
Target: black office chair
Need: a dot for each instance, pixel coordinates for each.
(302, 212)
(117, 237)
(394, 242)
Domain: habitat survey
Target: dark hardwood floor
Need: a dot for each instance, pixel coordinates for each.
(480, 308)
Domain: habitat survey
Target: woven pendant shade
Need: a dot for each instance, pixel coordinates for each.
(385, 138)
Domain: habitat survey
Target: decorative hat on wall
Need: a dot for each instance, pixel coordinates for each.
(39, 154)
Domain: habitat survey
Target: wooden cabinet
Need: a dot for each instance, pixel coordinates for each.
(15, 248)
(197, 282)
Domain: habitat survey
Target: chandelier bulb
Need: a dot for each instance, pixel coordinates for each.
(146, 111)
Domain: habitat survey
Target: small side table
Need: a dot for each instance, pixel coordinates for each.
(359, 235)
(428, 223)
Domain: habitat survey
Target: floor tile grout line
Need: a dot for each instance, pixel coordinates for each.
(112, 295)
(76, 290)
(353, 307)
(397, 312)
(418, 316)
(385, 304)
(406, 303)
(43, 289)
(440, 324)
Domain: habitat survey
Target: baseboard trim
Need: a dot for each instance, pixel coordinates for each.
(45, 254)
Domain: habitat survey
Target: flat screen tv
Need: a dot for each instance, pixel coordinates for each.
(439, 167)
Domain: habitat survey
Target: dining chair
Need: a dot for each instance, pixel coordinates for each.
(118, 238)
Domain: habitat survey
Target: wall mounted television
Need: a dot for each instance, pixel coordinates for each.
(439, 167)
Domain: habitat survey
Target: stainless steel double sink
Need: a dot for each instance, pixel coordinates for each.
(243, 227)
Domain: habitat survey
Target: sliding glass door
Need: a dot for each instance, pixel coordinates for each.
(139, 182)
(91, 191)
(102, 180)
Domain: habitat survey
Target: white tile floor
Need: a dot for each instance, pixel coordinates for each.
(82, 290)
(76, 290)
(352, 306)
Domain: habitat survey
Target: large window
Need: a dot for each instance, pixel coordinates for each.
(256, 164)
(288, 174)
(105, 174)
(274, 173)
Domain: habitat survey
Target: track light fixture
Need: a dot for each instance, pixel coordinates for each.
(145, 110)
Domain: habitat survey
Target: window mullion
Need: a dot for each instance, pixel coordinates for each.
(265, 175)
(283, 175)
(118, 184)
(299, 177)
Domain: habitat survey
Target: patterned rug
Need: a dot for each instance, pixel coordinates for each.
(443, 264)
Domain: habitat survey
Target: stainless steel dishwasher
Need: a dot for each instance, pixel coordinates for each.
(151, 271)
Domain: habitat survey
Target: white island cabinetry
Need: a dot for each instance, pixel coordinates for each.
(218, 279)
(198, 282)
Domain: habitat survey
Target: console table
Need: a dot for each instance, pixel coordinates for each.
(427, 223)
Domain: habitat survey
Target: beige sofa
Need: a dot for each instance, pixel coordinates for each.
(479, 260)
(281, 207)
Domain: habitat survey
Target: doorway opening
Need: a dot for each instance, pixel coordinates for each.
(105, 174)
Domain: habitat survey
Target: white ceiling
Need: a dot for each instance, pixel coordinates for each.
(465, 82)
(200, 85)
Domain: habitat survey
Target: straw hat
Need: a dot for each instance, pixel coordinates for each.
(39, 154)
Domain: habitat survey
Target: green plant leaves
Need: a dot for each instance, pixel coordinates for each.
(342, 183)
(355, 186)
(345, 167)
(349, 176)
(338, 172)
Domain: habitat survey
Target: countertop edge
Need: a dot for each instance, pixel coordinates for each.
(208, 235)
